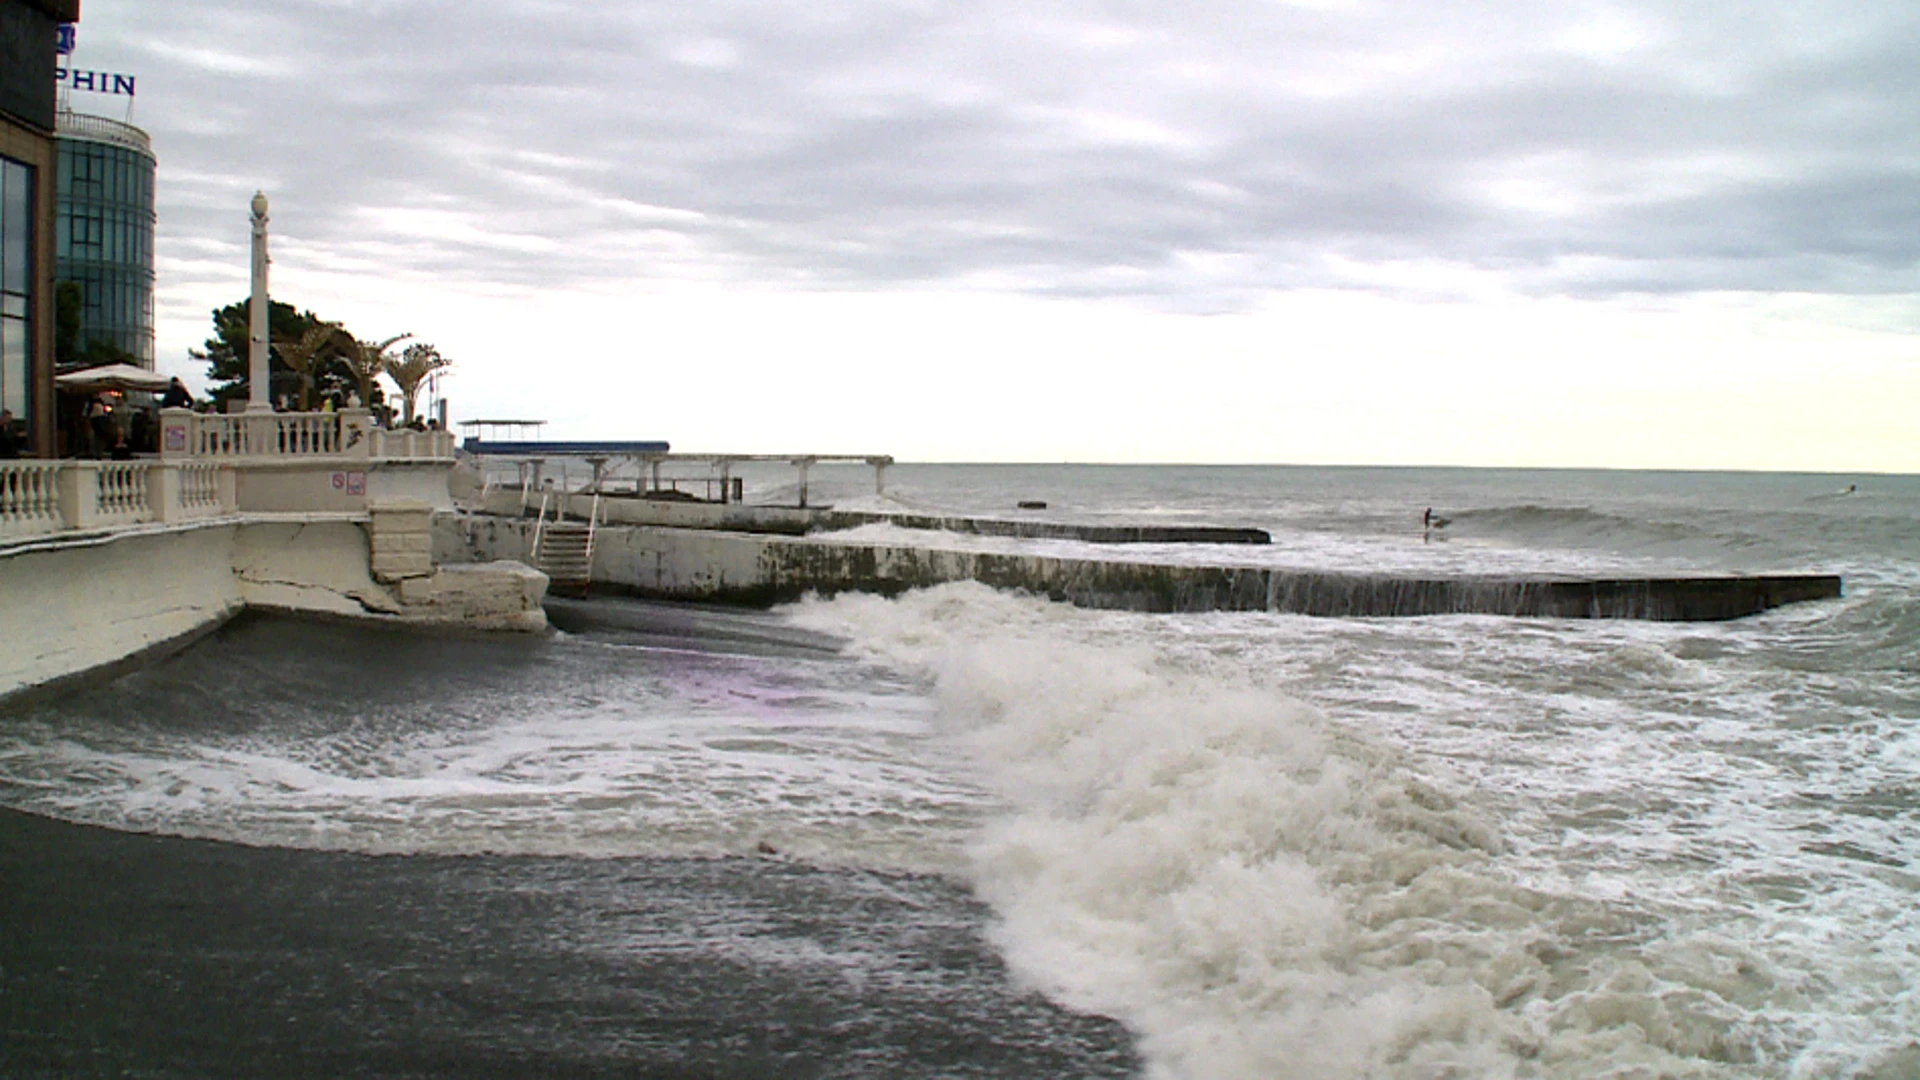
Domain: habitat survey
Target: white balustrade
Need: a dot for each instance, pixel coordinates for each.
(194, 476)
(39, 498)
(120, 493)
(406, 444)
(199, 491)
(29, 498)
(247, 438)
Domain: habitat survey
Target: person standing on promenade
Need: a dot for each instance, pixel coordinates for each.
(9, 442)
(176, 396)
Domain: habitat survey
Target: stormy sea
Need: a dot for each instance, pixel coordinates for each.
(963, 832)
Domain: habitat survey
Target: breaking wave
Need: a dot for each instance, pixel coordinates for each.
(1258, 889)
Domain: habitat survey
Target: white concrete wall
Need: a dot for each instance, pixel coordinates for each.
(72, 604)
(65, 608)
(308, 566)
(301, 487)
(338, 485)
(707, 564)
(426, 481)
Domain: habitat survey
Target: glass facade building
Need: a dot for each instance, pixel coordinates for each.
(16, 286)
(104, 229)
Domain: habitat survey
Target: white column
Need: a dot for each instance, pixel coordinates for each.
(259, 377)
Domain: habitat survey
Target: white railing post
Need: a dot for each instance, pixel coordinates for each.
(356, 432)
(227, 490)
(80, 494)
(176, 433)
(163, 492)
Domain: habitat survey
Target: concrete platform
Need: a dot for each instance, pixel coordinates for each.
(1051, 530)
(758, 569)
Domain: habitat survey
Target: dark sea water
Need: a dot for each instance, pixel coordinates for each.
(971, 833)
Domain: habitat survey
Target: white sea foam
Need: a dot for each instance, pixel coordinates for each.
(1262, 888)
(726, 756)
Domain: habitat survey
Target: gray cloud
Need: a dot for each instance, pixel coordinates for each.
(1193, 155)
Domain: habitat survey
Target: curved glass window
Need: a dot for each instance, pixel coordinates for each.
(104, 240)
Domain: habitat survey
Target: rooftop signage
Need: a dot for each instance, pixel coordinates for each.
(100, 82)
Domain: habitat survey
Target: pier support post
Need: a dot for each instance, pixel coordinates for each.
(802, 464)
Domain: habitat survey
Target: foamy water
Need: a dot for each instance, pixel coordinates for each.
(1271, 845)
(1466, 846)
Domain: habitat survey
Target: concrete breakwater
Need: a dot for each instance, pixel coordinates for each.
(732, 567)
(1049, 530)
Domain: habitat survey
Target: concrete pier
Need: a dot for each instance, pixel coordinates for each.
(1050, 530)
(733, 567)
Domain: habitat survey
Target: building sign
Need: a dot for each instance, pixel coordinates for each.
(100, 82)
(69, 32)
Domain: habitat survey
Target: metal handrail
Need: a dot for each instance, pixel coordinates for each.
(593, 524)
(540, 527)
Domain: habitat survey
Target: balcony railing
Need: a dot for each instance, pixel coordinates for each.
(38, 498)
(257, 438)
(101, 129)
(195, 475)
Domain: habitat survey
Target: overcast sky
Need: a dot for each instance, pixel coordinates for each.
(1678, 234)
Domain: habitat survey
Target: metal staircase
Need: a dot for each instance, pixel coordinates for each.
(563, 550)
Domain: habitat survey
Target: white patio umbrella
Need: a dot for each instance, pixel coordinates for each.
(111, 377)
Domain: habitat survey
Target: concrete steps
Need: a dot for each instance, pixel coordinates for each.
(566, 556)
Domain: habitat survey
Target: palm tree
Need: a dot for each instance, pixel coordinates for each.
(304, 355)
(367, 359)
(416, 362)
